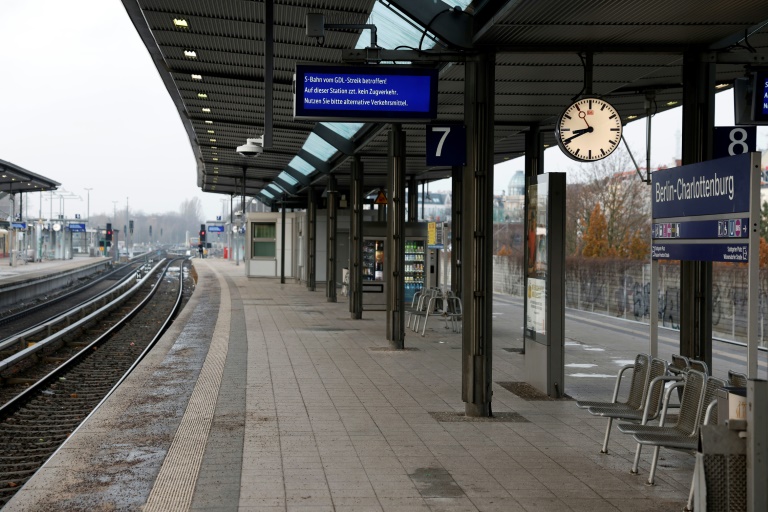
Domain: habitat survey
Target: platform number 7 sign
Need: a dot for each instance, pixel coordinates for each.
(446, 144)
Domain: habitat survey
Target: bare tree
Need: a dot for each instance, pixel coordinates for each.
(623, 197)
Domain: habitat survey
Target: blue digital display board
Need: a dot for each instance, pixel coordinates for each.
(77, 227)
(365, 93)
(707, 188)
(215, 229)
(760, 98)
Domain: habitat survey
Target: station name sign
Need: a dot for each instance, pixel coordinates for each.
(702, 189)
(370, 93)
(702, 212)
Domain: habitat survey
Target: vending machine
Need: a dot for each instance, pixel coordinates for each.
(373, 259)
(415, 265)
(374, 283)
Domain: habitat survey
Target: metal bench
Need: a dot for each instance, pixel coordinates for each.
(636, 397)
(650, 404)
(736, 379)
(684, 435)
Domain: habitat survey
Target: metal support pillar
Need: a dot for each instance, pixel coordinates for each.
(413, 200)
(12, 235)
(457, 175)
(282, 242)
(477, 236)
(395, 260)
(330, 288)
(534, 152)
(696, 276)
(356, 240)
(381, 212)
(312, 240)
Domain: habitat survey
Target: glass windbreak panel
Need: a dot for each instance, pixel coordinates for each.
(346, 130)
(263, 229)
(319, 147)
(302, 165)
(263, 250)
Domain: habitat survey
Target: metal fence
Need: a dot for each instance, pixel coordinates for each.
(622, 288)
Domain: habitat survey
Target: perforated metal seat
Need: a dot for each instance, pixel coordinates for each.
(736, 379)
(679, 364)
(651, 402)
(635, 400)
(640, 370)
(699, 366)
(684, 435)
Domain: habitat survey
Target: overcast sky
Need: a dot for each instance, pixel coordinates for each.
(81, 103)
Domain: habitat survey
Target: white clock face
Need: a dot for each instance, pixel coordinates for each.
(588, 130)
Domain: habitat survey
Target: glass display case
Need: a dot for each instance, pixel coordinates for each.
(415, 264)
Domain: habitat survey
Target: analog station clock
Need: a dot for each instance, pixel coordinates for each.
(589, 129)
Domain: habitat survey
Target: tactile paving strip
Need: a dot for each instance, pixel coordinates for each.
(175, 484)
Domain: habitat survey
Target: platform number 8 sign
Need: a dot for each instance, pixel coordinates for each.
(734, 140)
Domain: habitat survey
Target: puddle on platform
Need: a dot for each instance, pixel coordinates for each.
(592, 375)
(580, 365)
(594, 349)
(624, 362)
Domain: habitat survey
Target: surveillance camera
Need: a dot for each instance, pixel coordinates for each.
(252, 147)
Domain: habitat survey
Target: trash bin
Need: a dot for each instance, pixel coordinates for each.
(226, 253)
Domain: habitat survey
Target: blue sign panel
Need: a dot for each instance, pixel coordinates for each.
(215, 229)
(78, 228)
(760, 100)
(18, 225)
(734, 140)
(702, 229)
(706, 188)
(446, 144)
(374, 93)
(733, 253)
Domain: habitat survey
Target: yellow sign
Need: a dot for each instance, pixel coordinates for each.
(432, 233)
(381, 198)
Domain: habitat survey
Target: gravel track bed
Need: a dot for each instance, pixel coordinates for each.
(36, 430)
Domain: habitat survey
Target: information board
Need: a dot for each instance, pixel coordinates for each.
(702, 212)
(215, 229)
(364, 93)
(77, 227)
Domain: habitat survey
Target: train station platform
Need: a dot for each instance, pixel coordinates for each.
(266, 397)
(34, 271)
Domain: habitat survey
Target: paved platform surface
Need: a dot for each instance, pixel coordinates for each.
(265, 397)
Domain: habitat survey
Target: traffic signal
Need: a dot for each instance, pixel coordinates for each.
(130, 226)
(109, 232)
(202, 232)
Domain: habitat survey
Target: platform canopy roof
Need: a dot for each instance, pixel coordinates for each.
(15, 179)
(229, 71)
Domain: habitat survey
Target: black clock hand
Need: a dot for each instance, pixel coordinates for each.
(577, 133)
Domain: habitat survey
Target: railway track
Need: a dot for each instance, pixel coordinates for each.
(46, 306)
(37, 421)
